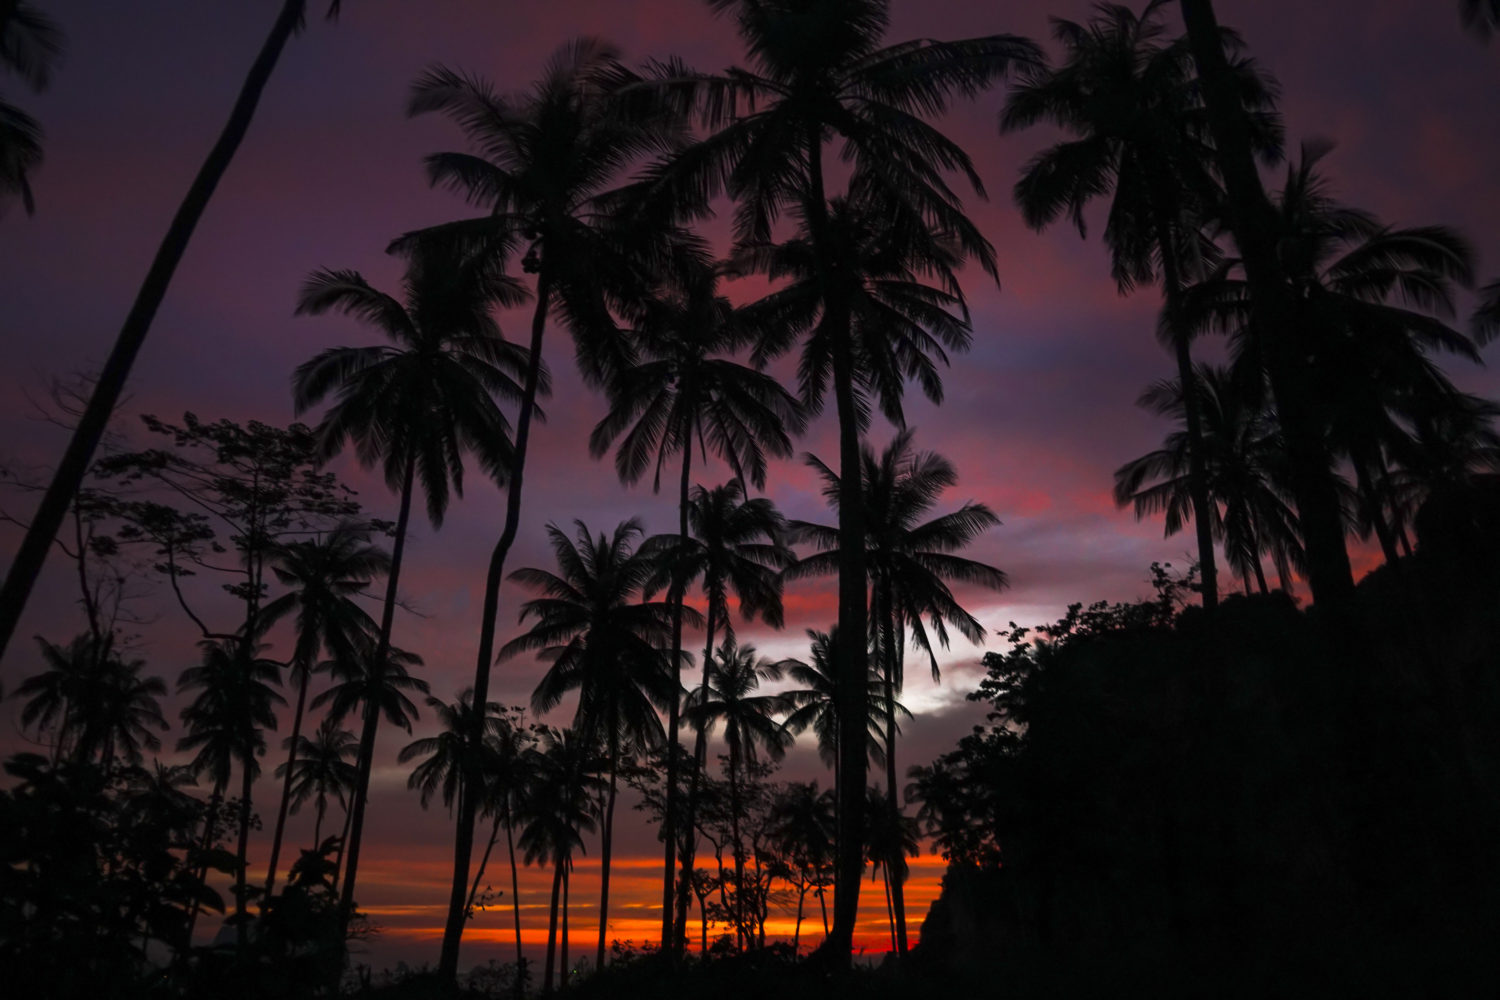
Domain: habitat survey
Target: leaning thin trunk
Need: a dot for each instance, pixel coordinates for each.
(739, 847)
(375, 668)
(562, 970)
(338, 865)
(286, 786)
(242, 854)
(671, 944)
(515, 896)
(483, 864)
(209, 821)
(606, 842)
(890, 911)
(797, 930)
(111, 383)
(700, 757)
(557, 875)
(463, 841)
(318, 822)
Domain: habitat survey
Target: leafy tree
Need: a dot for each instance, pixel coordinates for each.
(803, 825)
(416, 405)
(678, 393)
(546, 172)
(86, 437)
(606, 644)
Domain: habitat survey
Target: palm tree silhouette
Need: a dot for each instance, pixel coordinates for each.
(731, 676)
(1243, 462)
(737, 547)
(415, 405)
(803, 825)
(327, 573)
(908, 562)
(451, 758)
(21, 576)
(818, 74)
(1481, 17)
(815, 705)
(31, 45)
(510, 776)
(100, 704)
(607, 645)
(226, 723)
(1129, 104)
(321, 766)
(557, 815)
(893, 838)
(678, 394)
(546, 174)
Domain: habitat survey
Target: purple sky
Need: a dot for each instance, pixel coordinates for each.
(1037, 416)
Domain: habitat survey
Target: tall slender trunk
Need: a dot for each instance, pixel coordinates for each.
(209, 820)
(1191, 402)
(286, 784)
(515, 897)
(375, 667)
(1274, 314)
(607, 842)
(463, 841)
(107, 390)
(670, 943)
(562, 965)
(739, 847)
(797, 930)
(318, 823)
(890, 910)
(338, 864)
(894, 890)
(557, 875)
(851, 669)
(1369, 498)
(242, 853)
(700, 757)
(823, 905)
(484, 862)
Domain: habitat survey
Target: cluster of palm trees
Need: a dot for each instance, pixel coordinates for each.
(842, 191)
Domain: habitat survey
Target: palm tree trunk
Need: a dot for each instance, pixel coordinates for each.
(318, 823)
(1370, 500)
(797, 930)
(671, 944)
(562, 970)
(111, 383)
(286, 786)
(852, 668)
(1191, 404)
(890, 910)
(700, 757)
(739, 848)
(463, 841)
(557, 875)
(372, 713)
(338, 870)
(484, 861)
(1274, 313)
(242, 853)
(515, 898)
(895, 895)
(208, 832)
(607, 841)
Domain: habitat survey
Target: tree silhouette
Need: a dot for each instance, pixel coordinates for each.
(327, 573)
(680, 393)
(546, 171)
(1243, 462)
(1130, 105)
(818, 74)
(414, 406)
(909, 562)
(731, 676)
(803, 825)
(31, 45)
(510, 775)
(607, 645)
(1481, 17)
(322, 765)
(815, 705)
(79, 455)
(102, 707)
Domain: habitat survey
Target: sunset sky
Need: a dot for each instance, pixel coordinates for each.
(1037, 416)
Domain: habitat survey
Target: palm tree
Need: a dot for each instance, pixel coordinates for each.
(1129, 103)
(893, 838)
(815, 704)
(100, 704)
(737, 547)
(322, 766)
(370, 687)
(451, 758)
(1371, 301)
(818, 74)
(732, 675)
(415, 405)
(557, 815)
(1243, 460)
(79, 455)
(510, 776)
(226, 723)
(607, 645)
(31, 45)
(327, 573)
(909, 563)
(1272, 308)
(679, 394)
(545, 173)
